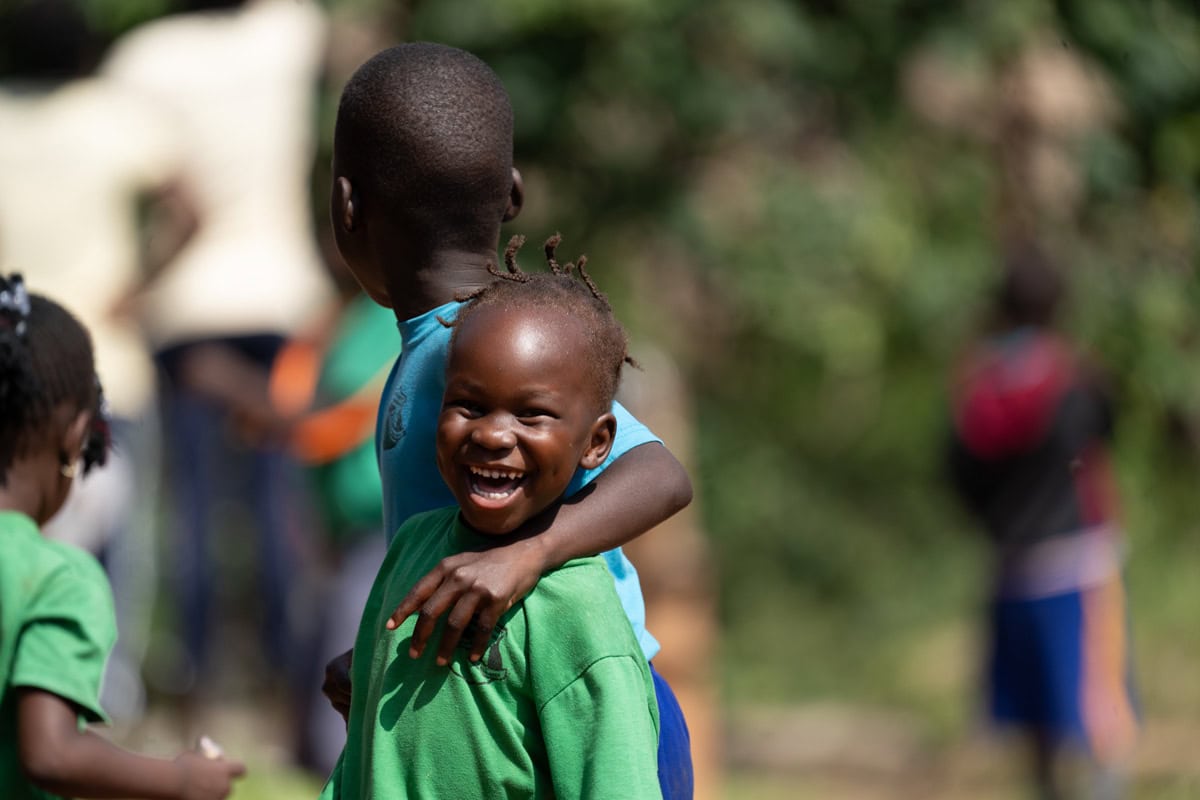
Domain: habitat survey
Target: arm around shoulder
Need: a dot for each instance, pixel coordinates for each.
(666, 483)
(643, 488)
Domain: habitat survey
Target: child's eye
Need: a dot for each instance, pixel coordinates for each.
(468, 408)
(536, 413)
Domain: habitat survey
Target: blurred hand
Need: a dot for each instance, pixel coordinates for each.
(471, 589)
(124, 307)
(337, 684)
(258, 424)
(207, 778)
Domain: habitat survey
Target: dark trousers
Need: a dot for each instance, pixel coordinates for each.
(200, 458)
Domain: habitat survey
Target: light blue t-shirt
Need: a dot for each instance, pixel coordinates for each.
(405, 442)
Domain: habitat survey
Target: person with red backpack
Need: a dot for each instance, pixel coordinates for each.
(1028, 455)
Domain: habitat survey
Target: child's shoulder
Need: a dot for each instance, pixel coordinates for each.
(39, 559)
(425, 523)
(425, 343)
(431, 324)
(74, 572)
(49, 579)
(578, 603)
(569, 623)
(585, 574)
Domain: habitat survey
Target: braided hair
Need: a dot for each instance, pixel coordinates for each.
(567, 288)
(45, 362)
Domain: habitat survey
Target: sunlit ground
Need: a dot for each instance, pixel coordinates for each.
(926, 744)
(876, 704)
(821, 752)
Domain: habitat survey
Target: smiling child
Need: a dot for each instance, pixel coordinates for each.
(562, 702)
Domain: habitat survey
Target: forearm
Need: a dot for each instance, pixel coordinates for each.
(225, 376)
(641, 489)
(87, 765)
(60, 758)
(172, 221)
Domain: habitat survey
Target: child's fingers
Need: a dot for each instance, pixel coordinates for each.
(337, 686)
(236, 768)
(485, 621)
(456, 624)
(430, 613)
(417, 596)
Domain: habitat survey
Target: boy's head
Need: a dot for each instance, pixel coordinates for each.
(422, 159)
(1031, 288)
(534, 364)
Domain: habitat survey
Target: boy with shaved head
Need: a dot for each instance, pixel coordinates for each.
(423, 179)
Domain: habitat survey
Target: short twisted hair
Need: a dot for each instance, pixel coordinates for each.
(568, 289)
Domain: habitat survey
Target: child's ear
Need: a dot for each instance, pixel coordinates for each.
(343, 206)
(600, 441)
(516, 197)
(71, 444)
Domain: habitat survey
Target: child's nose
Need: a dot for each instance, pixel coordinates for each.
(494, 432)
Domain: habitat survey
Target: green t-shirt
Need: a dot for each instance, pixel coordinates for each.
(347, 489)
(57, 627)
(561, 705)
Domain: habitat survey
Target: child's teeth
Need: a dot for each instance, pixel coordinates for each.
(496, 473)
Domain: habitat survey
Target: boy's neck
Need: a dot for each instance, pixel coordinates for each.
(437, 279)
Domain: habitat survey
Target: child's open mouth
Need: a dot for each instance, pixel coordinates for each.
(494, 484)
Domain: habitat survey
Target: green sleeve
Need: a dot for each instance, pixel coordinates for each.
(333, 786)
(68, 632)
(600, 734)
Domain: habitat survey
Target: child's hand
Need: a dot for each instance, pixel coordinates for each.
(477, 586)
(336, 687)
(207, 778)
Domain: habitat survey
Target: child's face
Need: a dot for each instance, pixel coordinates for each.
(518, 416)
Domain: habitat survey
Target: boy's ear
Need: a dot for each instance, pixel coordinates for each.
(344, 204)
(600, 441)
(516, 197)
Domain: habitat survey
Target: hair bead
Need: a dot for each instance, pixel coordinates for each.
(14, 304)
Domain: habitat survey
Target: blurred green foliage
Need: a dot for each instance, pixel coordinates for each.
(782, 210)
(804, 202)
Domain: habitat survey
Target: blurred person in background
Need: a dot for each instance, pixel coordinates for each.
(320, 400)
(1032, 425)
(331, 384)
(240, 78)
(81, 157)
(57, 622)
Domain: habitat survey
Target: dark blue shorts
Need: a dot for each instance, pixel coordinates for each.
(1061, 664)
(674, 744)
